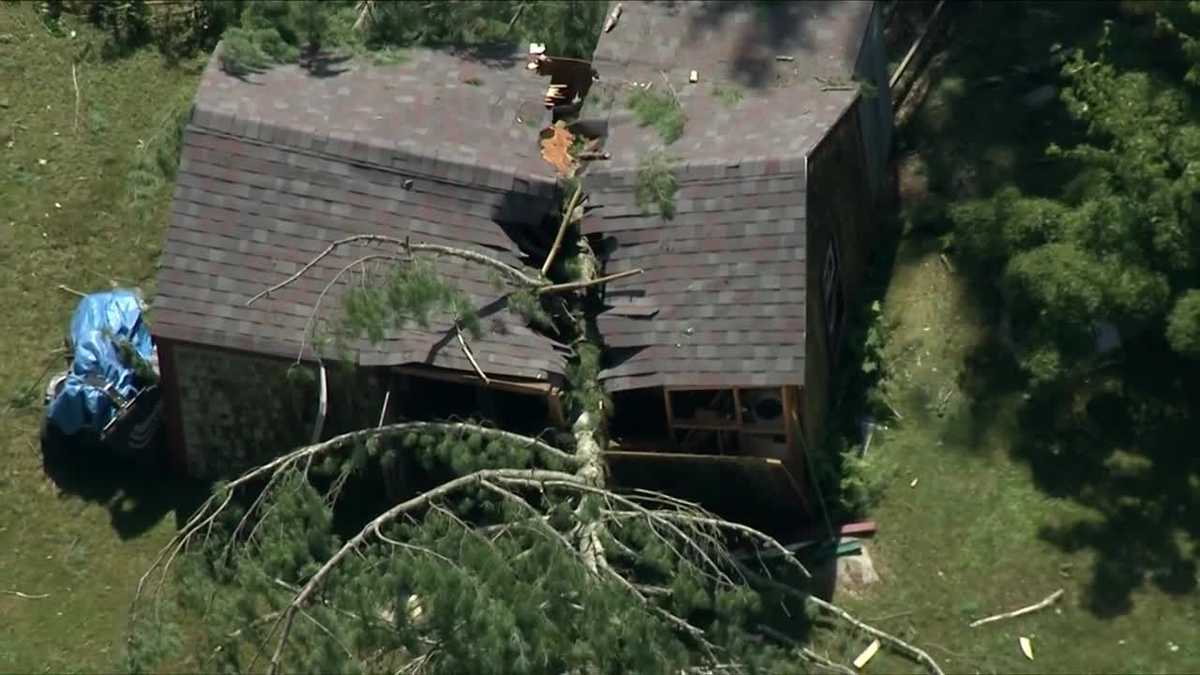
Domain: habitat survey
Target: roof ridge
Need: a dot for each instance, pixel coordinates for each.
(372, 152)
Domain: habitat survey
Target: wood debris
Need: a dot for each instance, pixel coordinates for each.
(1046, 602)
(867, 654)
(613, 16)
(1026, 647)
(556, 148)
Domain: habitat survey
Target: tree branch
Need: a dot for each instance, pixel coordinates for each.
(573, 285)
(372, 528)
(217, 503)
(918, 654)
(407, 247)
(462, 342)
(815, 658)
(1049, 600)
(567, 219)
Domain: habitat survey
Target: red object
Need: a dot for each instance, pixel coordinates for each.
(864, 528)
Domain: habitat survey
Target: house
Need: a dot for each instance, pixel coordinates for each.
(277, 166)
(720, 354)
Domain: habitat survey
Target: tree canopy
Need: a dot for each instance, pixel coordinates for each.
(1120, 243)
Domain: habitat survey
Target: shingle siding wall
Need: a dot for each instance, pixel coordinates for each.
(238, 410)
(838, 181)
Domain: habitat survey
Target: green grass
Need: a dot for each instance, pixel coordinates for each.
(1014, 499)
(84, 535)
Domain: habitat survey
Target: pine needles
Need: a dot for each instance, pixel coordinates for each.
(660, 110)
(410, 295)
(656, 183)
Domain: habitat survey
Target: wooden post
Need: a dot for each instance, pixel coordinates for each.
(670, 416)
(789, 407)
(555, 408)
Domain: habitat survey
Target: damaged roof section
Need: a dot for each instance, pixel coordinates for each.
(722, 300)
(276, 168)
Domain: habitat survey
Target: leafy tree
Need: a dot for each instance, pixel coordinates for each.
(1120, 244)
(1183, 327)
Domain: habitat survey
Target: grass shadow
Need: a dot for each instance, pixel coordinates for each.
(137, 493)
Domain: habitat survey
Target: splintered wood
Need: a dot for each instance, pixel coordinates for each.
(556, 149)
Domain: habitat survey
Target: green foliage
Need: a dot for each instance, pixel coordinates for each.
(567, 27)
(528, 305)
(583, 372)
(462, 593)
(157, 157)
(142, 369)
(1119, 244)
(246, 51)
(128, 24)
(659, 109)
(1183, 326)
(411, 294)
(656, 183)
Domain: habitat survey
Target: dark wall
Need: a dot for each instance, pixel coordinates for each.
(841, 208)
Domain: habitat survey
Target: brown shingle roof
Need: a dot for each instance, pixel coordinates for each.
(723, 299)
(786, 106)
(271, 173)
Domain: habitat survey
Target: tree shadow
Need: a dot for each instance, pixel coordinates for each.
(765, 28)
(1120, 443)
(1116, 438)
(138, 493)
(324, 64)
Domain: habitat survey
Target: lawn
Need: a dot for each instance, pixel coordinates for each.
(982, 511)
(81, 533)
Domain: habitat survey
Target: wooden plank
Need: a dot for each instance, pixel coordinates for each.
(866, 527)
(463, 377)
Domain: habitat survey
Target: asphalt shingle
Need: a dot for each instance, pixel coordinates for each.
(723, 299)
(276, 168)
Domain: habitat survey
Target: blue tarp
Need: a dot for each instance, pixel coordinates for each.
(101, 320)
